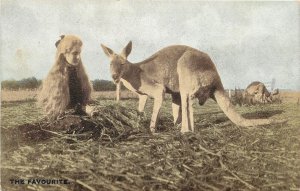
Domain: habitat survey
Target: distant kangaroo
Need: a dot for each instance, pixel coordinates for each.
(258, 91)
(183, 72)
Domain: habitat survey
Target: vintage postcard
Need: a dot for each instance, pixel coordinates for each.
(150, 95)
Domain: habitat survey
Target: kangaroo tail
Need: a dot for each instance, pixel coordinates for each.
(227, 107)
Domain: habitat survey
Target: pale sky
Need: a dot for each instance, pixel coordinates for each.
(247, 41)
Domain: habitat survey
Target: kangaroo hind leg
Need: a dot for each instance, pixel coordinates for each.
(186, 87)
(187, 124)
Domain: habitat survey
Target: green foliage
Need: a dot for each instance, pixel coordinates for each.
(33, 83)
(26, 83)
(104, 85)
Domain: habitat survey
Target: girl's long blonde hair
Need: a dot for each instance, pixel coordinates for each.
(54, 95)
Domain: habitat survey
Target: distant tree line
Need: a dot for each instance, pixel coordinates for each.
(33, 83)
(104, 85)
(26, 83)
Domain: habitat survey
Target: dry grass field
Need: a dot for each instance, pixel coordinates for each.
(24, 95)
(124, 156)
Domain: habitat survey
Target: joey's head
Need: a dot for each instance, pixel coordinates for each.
(118, 62)
(69, 49)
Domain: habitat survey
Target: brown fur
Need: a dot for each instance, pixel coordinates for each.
(54, 96)
(181, 71)
(258, 92)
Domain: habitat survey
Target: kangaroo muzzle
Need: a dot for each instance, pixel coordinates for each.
(116, 78)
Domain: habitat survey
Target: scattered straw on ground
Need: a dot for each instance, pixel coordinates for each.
(114, 151)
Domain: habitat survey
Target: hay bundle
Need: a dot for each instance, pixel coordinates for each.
(111, 122)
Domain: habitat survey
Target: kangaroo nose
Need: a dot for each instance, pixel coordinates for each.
(114, 76)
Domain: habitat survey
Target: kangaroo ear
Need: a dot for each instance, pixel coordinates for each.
(109, 52)
(126, 51)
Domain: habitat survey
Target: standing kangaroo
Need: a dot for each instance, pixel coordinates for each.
(183, 72)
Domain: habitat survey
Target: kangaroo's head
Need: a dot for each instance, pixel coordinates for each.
(275, 92)
(118, 62)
